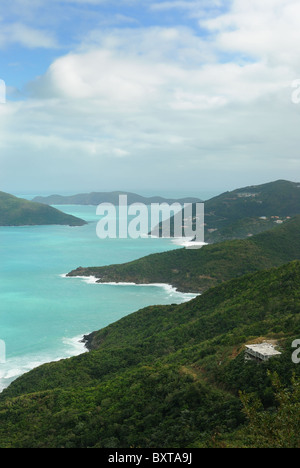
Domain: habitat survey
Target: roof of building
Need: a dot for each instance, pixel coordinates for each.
(266, 349)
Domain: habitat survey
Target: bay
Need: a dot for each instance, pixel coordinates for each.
(43, 315)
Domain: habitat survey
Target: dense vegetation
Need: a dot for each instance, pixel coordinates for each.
(198, 270)
(168, 376)
(274, 429)
(280, 198)
(248, 211)
(19, 212)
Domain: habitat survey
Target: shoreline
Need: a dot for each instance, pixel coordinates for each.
(187, 243)
(75, 345)
(16, 367)
(168, 287)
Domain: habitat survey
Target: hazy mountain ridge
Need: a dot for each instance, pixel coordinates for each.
(96, 198)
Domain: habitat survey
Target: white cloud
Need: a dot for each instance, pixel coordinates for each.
(164, 106)
(17, 33)
(99, 75)
(148, 67)
(265, 30)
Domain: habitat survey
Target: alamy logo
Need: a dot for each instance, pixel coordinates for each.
(158, 219)
(296, 93)
(296, 354)
(2, 352)
(2, 92)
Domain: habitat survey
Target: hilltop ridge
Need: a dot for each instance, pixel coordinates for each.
(247, 211)
(250, 210)
(96, 198)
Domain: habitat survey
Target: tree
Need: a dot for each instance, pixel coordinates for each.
(276, 427)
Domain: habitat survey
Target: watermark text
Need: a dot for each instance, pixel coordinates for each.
(158, 219)
(2, 352)
(296, 353)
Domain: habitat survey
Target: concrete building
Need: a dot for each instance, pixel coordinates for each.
(260, 352)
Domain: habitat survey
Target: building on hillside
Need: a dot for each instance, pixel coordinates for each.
(260, 352)
(247, 195)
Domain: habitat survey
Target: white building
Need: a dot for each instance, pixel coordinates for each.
(260, 352)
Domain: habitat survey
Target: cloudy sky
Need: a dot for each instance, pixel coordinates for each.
(149, 96)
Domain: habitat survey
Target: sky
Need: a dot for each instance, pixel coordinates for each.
(148, 96)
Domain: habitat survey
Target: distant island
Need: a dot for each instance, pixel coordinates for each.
(96, 198)
(16, 211)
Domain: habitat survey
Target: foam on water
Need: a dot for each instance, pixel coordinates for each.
(17, 366)
(169, 289)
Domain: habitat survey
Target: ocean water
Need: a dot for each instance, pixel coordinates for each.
(43, 315)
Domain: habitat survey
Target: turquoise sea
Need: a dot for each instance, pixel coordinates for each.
(43, 315)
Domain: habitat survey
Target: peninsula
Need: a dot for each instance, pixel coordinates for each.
(198, 270)
(16, 211)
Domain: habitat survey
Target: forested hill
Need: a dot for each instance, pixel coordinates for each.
(280, 198)
(251, 210)
(19, 212)
(197, 270)
(246, 211)
(169, 376)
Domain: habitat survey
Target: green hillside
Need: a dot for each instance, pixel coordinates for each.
(247, 211)
(280, 198)
(166, 376)
(19, 212)
(237, 214)
(198, 270)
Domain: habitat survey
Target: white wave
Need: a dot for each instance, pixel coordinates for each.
(89, 279)
(171, 290)
(75, 345)
(188, 242)
(17, 366)
(85, 279)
